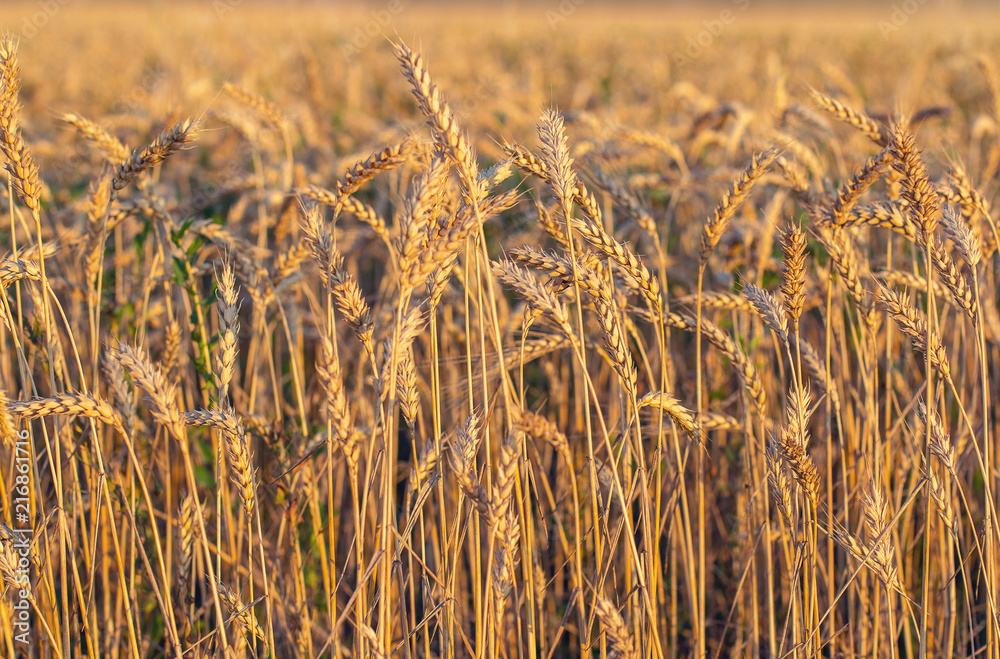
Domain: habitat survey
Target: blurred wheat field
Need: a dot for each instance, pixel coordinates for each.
(509, 331)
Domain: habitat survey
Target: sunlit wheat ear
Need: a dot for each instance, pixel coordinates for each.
(966, 240)
(243, 616)
(617, 346)
(331, 377)
(71, 403)
(13, 576)
(913, 324)
(852, 117)
(940, 444)
(110, 146)
(462, 456)
(387, 159)
(731, 201)
(186, 534)
(848, 194)
(20, 164)
(640, 278)
(794, 444)
(777, 479)
(539, 427)
(619, 635)
(227, 306)
(917, 189)
(769, 309)
(793, 244)
(953, 279)
(876, 511)
(442, 119)
(942, 500)
(976, 209)
(8, 434)
(224, 419)
(166, 143)
(13, 269)
(162, 394)
(524, 284)
(555, 155)
(684, 417)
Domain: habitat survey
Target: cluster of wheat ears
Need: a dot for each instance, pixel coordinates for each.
(552, 405)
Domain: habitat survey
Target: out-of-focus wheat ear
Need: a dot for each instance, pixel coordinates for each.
(540, 427)
(266, 108)
(793, 287)
(227, 307)
(8, 434)
(992, 83)
(110, 146)
(186, 539)
(917, 189)
(162, 393)
(777, 480)
(732, 200)
(243, 615)
(913, 324)
(166, 143)
(171, 347)
(769, 309)
(868, 126)
(99, 194)
(618, 633)
(442, 119)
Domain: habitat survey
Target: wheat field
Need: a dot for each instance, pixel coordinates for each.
(499, 331)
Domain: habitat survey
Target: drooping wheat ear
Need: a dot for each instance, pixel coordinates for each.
(346, 292)
(520, 281)
(527, 162)
(942, 500)
(13, 574)
(913, 324)
(617, 346)
(539, 427)
(880, 214)
(639, 275)
(268, 109)
(794, 443)
(959, 189)
(876, 510)
(746, 371)
(385, 160)
(162, 393)
(953, 279)
(796, 178)
(685, 418)
(769, 309)
(20, 164)
(992, 83)
(863, 179)
(619, 635)
(243, 615)
(852, 117)
(917, 189)
(965, 239)
(442, 120)
(166, 143)
(224, 419)
(462, 456)
(941, 445)
(368, 215)
(710, 421)
(13, 269)
(227, 307)
(70, 403)
(732, 200)
(110, 146)
(8, 434)
(777, 480)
